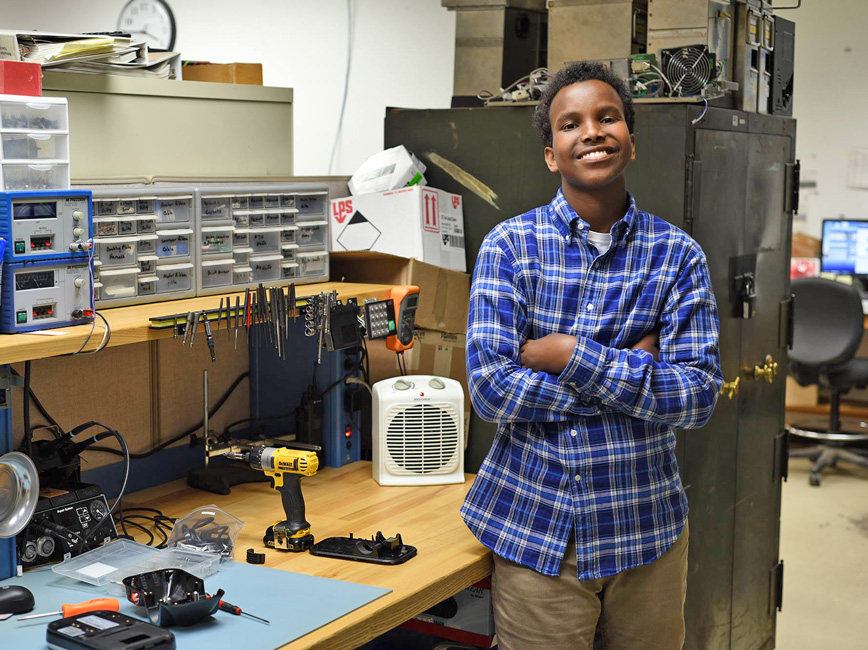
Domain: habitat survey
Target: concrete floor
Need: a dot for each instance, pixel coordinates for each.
(824, 545)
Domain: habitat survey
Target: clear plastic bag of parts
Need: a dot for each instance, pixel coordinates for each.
(207, 529)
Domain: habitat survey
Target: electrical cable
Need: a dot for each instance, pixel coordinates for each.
(350, 31)
(704, 111)
(126, 453)
(38, 404)
(662, 76)
(189, 432)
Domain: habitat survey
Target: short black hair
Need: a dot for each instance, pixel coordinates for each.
(576, 73)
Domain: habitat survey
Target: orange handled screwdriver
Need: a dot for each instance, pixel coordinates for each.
(110, 604)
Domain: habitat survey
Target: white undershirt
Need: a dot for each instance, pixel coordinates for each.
(602, 241)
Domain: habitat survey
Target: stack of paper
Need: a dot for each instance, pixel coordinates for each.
(89, 54)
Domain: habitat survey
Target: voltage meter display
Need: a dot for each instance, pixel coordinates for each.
(34, 280)
(35, 210)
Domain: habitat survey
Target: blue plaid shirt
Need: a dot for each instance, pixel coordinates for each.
(592, 451)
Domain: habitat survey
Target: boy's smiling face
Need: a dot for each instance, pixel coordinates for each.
(591, 144)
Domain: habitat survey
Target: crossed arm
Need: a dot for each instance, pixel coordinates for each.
(557, 377)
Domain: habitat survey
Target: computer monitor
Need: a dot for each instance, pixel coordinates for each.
(845, 247)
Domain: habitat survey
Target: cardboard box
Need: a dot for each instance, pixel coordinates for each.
(20, 78)
(226, 73)
(433, 353)
(444, 295)
(420, 222)
(467, 617)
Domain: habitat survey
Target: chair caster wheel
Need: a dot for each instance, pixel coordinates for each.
(815, 480)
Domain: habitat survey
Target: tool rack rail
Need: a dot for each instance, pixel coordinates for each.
(133, 324)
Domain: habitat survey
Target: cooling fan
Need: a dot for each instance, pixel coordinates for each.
(689, 69)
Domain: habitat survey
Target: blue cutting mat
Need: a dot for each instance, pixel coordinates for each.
(294, 603)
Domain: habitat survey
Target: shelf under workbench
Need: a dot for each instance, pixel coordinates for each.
(132, 324)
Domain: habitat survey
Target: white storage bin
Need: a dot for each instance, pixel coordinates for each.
(146, 205)
(97, 290)
(289, 252)
(241, 218)
(241, 238)
(288, 270)
(172, 278)
(242, 275)
(34, 113)
(312, 206)
(175, 209)
(118, 283)
(255, 219)
(265, 268)
(148, 263)
(147, 244)
(35, 146)
(147, 285)
(127, 206)
(173, 243)
(273, 218)
(147, 223)
(271, 201)
(311, 235)
(104, 207)
(217, 273)
(287, 201)
(116, 251)
(287, 217)
(313, 264)
(265, 240)
(239, 202)
(127, 225)
(215, 207)
(242, 256)
(255, 201)
(104, 227)
(288, 234)
(217, 239)
(18, 176)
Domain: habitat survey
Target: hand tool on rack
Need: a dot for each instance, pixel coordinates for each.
(196, 318)
(209, 336)
(247, 313)
(228, 329)
(175, 328)
(292, 302)
(237, 318)
(278, 463)
(74, 609)
(235, 609)
(187, 328)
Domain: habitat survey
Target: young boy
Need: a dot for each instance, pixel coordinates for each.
(579, 497)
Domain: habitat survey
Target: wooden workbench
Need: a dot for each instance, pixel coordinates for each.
(132, 324)
(347, 500)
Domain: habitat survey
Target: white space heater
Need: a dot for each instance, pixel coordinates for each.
(418, 431)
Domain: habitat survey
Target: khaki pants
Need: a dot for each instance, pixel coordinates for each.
(639, 609)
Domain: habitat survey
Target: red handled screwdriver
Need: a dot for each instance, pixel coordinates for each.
(97, 604)
(234, 609)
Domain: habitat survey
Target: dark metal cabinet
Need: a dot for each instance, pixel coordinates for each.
(726, 180)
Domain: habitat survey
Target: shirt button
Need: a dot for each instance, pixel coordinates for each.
(573, 433)
(590, 307)
(578, 477)
(581, 226)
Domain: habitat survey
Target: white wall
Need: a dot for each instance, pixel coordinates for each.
(403, 56)
(830, 94)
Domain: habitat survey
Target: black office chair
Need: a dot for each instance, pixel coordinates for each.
(829, 324)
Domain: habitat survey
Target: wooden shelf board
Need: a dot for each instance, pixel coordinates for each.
(132, 325)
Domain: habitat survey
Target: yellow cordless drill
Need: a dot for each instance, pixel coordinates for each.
(293, 533)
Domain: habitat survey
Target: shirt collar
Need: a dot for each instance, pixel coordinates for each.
(564, 216)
